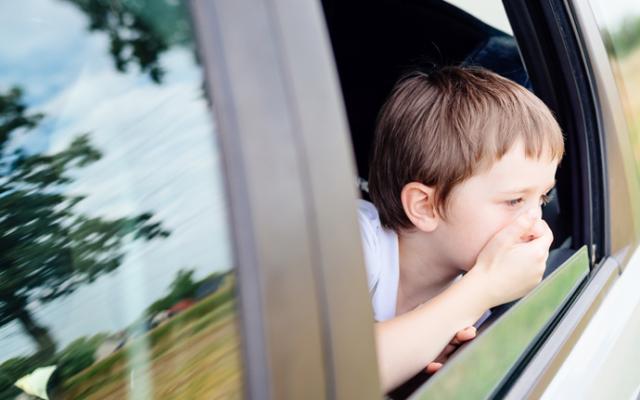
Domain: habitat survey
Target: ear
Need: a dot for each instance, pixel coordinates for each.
(419, 206)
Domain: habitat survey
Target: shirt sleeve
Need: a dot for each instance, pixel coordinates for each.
(369, 244)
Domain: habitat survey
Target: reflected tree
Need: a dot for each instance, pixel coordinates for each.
(627, 35)
(139, 30)
(48, 248)
(184, 286)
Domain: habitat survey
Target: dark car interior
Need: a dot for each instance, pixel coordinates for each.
(377, 41)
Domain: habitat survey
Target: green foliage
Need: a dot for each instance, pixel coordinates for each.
(13, 115)
(182, 287)
(10, 371)
(15, 368)
(139, 30)
(627, 37)
(48, 248)
(78, 355)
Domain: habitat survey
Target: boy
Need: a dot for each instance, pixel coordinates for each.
(462, 162)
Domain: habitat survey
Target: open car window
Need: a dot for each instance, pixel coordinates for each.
(377, 44)
(480, 370)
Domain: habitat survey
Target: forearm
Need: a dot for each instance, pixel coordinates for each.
(407, 343)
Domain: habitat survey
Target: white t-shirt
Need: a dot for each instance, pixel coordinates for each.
(381, 256)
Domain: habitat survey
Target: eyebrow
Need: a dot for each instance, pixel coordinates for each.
(529, 189)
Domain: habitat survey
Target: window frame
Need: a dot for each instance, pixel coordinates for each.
(552, 51)
(581, 34)
(304, 311)
(551, 54)
(621, 241)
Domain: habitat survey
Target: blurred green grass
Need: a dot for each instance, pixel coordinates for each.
(194, 355)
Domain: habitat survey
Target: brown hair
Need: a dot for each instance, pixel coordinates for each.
(443, 127)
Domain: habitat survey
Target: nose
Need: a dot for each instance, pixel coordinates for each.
(538, 210)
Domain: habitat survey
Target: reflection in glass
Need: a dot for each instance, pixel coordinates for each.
(116, 277)
(619, 21)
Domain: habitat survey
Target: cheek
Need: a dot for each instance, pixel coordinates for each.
(482, 222)
(479, 228)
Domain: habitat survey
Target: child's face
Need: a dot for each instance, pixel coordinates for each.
(485, 203)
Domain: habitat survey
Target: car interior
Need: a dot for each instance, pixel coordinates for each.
(377, 41)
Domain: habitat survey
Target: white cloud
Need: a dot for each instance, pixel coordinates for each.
(42, 42)
(51, 25)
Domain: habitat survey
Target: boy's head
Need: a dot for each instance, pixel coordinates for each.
(461, 147)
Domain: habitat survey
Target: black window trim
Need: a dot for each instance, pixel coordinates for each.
(561, 38)
(550, 52)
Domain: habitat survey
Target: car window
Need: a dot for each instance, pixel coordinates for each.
(373, 47)
(479, 371)
(117, 276)
(619, 22)
(490, 12)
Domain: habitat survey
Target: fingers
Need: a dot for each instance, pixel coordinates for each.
(464, 335)
(433, 367)
(544, 236)
(516, 230)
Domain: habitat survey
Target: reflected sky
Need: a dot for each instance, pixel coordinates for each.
(159, 155)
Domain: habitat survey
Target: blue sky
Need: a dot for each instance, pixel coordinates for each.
(160, 155)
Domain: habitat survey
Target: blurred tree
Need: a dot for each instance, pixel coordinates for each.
(626, 38)
(48, 248)
(139, 30)
(78, 355)
(13, 115)
(182, 287)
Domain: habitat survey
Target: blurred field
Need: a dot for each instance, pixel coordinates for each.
(629, 79)
(192, 356)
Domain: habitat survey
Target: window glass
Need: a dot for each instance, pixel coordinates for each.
(116, 277)
(619, 22)
(489, 12)
(485, 365)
